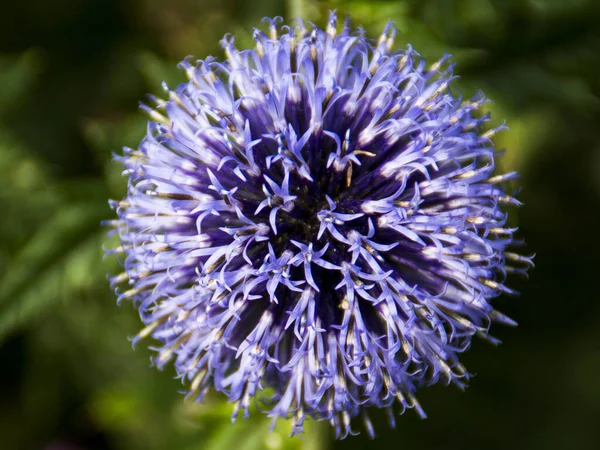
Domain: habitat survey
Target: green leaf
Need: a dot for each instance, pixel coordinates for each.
(27, 196)
(59, 262)
(156, 71)
(17, 76)
(253, 433)
(19, 168)
(106, 138)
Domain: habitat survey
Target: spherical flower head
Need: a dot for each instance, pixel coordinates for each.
(314, 224)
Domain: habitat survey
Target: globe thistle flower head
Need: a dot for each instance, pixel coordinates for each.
(313, 223)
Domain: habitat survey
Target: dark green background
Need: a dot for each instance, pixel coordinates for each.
(71, 74)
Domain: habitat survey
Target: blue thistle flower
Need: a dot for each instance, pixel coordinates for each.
(314, 223)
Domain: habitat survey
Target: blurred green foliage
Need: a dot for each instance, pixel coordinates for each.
(71, 72)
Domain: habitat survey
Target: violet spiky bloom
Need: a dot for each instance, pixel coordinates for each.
(314, 223)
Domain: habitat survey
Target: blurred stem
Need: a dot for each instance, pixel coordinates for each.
(296, 9)
(307, 10)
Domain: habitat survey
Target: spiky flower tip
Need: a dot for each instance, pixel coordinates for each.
(313, 224)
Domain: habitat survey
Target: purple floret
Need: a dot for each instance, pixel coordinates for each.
(314, 223)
